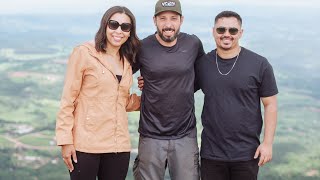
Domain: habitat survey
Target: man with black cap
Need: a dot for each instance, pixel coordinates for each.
(167, 126)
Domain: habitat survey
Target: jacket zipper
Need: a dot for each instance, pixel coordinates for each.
(116, 121)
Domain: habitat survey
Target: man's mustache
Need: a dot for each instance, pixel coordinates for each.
(168, 29)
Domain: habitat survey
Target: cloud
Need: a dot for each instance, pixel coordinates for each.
(76, 6)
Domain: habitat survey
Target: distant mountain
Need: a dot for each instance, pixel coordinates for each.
(34, 50)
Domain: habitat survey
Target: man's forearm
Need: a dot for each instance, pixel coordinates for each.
(270, 121)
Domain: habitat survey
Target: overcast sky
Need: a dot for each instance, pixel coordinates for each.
(94, 6)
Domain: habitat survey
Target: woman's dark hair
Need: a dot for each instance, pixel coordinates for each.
(130, 48)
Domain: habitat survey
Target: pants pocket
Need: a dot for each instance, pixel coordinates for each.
(135, 169)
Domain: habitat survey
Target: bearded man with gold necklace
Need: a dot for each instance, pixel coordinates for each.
(234, 81)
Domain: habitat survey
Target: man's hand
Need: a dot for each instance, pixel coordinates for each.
(67, 152)
(140, 82)
(265, 153)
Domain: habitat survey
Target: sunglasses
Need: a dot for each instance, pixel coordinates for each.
(125, 27)
(232, 30)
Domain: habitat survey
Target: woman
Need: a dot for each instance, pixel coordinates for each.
(92, 124)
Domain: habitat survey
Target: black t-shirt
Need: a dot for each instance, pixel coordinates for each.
(231, 115)
(167, 100)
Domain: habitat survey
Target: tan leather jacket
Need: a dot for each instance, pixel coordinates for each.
(93, 106)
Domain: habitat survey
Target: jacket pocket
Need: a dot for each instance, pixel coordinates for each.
(98, 114)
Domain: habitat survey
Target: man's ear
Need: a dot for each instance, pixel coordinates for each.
(155, 20)
(241, 32)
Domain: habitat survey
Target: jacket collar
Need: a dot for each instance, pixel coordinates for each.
(100, 56)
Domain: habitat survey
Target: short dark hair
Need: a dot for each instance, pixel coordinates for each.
(228, 14)
(127, 50)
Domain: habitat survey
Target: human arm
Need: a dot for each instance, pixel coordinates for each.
(65, 117)
(200, 55)
(200, 50)
(196, 78)
(135, 66)
(133, 103)
(264, 150)
(140, 82)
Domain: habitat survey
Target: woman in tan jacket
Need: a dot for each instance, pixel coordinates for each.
(92, 124)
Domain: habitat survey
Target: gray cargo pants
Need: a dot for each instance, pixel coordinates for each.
(181, 156)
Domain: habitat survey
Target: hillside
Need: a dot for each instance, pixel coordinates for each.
(33, 56)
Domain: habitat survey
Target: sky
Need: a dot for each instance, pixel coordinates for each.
(94, 6)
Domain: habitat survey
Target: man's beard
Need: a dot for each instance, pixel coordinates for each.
(168, 39)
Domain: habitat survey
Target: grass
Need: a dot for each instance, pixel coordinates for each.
(4, 143)
(36, 140)
(38, 112)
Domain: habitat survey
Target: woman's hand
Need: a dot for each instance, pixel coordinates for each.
(67, 152)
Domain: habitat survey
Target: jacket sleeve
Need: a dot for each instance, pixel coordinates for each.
(133, 103)
(72, 85)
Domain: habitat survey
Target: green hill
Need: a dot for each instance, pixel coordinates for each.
(32, 66)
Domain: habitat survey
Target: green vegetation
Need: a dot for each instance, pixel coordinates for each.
(36, 140)
(5, 143)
